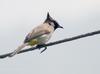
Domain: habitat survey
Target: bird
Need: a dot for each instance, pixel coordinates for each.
(39, 35)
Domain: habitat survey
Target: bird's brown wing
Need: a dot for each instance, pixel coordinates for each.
(36, 32)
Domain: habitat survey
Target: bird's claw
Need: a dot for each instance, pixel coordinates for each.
(40, 46)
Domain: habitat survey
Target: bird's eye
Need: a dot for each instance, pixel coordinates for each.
(52, 24)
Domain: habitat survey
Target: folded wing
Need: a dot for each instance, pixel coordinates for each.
(38, 31)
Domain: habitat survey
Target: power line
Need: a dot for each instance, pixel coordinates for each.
(56, 42)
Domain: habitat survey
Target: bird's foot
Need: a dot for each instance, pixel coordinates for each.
(40, 46)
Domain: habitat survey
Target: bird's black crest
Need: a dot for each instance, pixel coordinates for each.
(50, 20)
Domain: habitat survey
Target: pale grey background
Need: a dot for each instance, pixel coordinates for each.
(18, 17)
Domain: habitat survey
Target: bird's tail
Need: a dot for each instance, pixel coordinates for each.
(18, 49)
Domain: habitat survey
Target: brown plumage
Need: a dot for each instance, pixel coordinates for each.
(42, 29)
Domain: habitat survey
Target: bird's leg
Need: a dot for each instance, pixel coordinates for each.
(44, 49)
(40, 46)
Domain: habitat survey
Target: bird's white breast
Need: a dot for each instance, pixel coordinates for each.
(44, 38)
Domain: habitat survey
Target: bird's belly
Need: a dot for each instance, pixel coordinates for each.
(40, 40)
(43, 39)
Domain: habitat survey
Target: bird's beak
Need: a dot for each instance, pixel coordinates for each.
(60, 27)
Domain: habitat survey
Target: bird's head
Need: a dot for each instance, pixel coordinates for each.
(52, 22)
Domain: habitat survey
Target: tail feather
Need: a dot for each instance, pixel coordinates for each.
(18, 49)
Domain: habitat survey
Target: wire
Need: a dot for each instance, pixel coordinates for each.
(54, 43)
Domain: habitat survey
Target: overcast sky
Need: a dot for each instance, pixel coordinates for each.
(18, 17)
